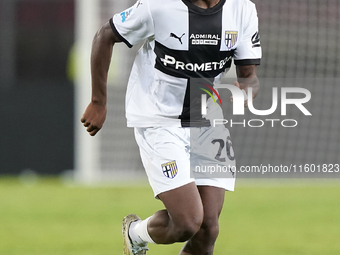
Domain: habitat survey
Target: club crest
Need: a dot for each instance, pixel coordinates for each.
(170, 169)
(230, 38)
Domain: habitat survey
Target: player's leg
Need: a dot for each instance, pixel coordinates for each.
(204, 240)
(181, 219)
(165, 156)
(178, 223)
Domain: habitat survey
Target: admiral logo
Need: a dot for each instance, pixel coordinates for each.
(170, 169)
(204, 39)
(194, 67)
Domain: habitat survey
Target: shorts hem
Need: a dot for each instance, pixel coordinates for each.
(156, 193)
(227, 186)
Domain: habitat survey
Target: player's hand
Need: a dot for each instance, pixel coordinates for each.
(244, 88)
(244, 93)
(94, 117)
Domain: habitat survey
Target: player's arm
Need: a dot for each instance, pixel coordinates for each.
(248, 53)
(95, 113)
(246, 77)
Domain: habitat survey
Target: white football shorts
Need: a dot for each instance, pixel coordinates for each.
(176, 156)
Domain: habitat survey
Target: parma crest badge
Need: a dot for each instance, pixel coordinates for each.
(230, 38)
(170, 169)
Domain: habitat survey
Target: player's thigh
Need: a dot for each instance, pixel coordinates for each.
(165, 155)
(212, 200)
(184, 204)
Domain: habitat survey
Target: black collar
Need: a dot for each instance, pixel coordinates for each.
(204, 11)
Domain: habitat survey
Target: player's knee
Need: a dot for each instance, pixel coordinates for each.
(187, 229)
(188, 226)
(210, 228)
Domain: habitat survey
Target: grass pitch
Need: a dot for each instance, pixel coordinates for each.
(49, 218)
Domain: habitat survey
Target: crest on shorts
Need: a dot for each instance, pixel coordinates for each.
(170, 169)
(230, 38)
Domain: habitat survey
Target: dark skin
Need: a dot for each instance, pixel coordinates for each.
(205, 4)
(203, 242)
(192, 211)
(102, 46)
(246, 77)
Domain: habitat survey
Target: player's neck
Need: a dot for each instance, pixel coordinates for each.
(205, 4)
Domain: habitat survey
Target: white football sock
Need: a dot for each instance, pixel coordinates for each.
(138, 231)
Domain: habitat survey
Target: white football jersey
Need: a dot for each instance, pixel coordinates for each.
(182, 42)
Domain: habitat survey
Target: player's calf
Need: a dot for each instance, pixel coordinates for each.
(166, 229)
(203, 241)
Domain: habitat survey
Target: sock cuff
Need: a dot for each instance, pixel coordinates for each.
(142, 231)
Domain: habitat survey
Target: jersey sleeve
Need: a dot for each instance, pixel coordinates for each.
(134, 24)
(248, 51)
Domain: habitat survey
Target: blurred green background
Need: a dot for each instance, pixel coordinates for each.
(45, 210)
(54, 216)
